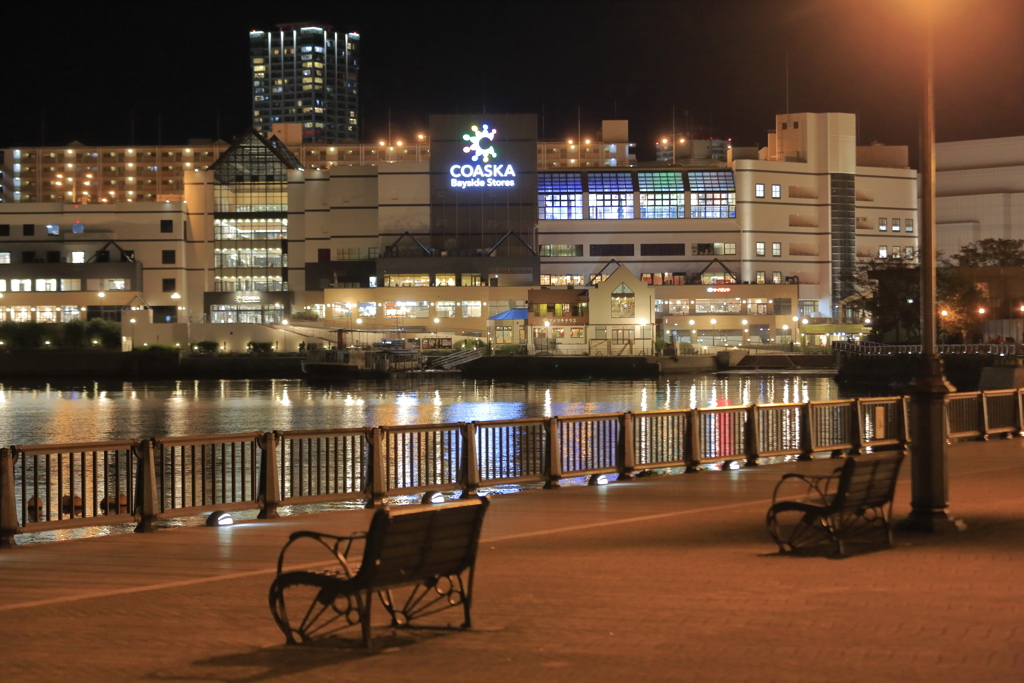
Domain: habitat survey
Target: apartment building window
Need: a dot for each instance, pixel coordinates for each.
(167, 256)
(896, 252)
(5, 230)
(776, 277)
(883, 224)
(759, 190)
(71, 285)
(560, 196)
(444, 280)
(611, 195)
(759, 277)
(776, 248)
(5, 257)
(776, 191)
(759, 248)
(169, 284)
(663, 249)
(53, 229)
(46, 285)
(28, 230)
(472, 309)
(895, 224)
(883, 252)
(908, 253)
(909, 224)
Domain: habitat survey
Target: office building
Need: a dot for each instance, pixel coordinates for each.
(306, 74)
(979, 191)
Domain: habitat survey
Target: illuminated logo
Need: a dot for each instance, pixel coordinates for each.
(719, 290)
(482, 173)
(247, 298)
(476, 148)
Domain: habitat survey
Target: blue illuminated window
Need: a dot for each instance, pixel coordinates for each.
(560, 196)
(711, 181)
(610, 182)
(559, 183)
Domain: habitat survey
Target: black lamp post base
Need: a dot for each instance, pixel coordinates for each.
(932, 521)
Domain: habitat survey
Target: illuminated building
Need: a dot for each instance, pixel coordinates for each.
(306, 74)
(260, 233)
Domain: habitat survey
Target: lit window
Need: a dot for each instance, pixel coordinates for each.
(70, 285)
(472, 309)
(759, 190)
(895, 224)
(52, 229)
(776, 248)
(777, 277)
(623, 302)
(896, 252)
(5, 257)
(759, 279)
(776, 191)
(883, 252)
(759, 248)
(908, 253)
(883, 224)
(910, 225)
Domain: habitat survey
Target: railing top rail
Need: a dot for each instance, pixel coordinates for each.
(778, 405)
(654, 413)
(833, 402)
(422, 427)
(880, 399)
(206, 439)
(88, 446)
(309, 433)
(999, 392)
(724, 409)
(965, 394)
(511, 423)
(581, 418)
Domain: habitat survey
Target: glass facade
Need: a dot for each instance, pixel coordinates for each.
(712, 194)
(662, 194)
(251, 216)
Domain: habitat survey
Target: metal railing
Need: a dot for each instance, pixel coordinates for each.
(876, 349)
(60, 486)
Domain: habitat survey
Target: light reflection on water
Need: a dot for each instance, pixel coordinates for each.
(98, 412)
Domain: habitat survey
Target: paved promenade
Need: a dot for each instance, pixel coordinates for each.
(664, 579)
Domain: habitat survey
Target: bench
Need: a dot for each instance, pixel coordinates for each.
(853, 504)
(429, 549)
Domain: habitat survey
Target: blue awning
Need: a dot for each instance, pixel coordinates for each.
(512, 314)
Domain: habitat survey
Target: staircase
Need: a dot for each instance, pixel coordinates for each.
(456, 359)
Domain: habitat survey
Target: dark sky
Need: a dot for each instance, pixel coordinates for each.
(79, 73)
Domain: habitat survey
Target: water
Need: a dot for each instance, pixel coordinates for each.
(51, 414)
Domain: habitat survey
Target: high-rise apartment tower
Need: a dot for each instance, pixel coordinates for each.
(308, 74)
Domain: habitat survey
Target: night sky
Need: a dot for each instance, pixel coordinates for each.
(83, 72)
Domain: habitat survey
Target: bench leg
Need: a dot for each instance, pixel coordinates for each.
(364, 604)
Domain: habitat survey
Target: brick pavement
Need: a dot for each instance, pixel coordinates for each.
(667, 578)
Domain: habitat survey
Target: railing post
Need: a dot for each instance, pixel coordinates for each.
(753, 436)
(269, 496)
(857, 437)
(626, 452)
(807, 432)
(471, 466)
(146, 501)
(8, 506)
(983, 416)
(905, 416)
(1020, 417)
(693, 453)
(554, 457)
(377, 485)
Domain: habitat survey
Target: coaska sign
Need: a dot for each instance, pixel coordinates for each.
(482, 173)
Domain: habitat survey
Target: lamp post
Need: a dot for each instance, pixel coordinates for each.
(929, 479)
(713, 336)
(132, 321)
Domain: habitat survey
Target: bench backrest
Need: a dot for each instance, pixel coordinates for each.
(867, 481)
(415, 542)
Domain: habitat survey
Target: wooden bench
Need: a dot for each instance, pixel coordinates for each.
(853, 504)
(430, 549)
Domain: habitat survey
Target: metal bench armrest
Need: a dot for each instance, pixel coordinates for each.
(339, 546)
(817, 485)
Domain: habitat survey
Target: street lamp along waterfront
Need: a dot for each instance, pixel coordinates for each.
(928, 472)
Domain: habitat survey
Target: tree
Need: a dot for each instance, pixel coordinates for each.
(890, 290)
(990, 252)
